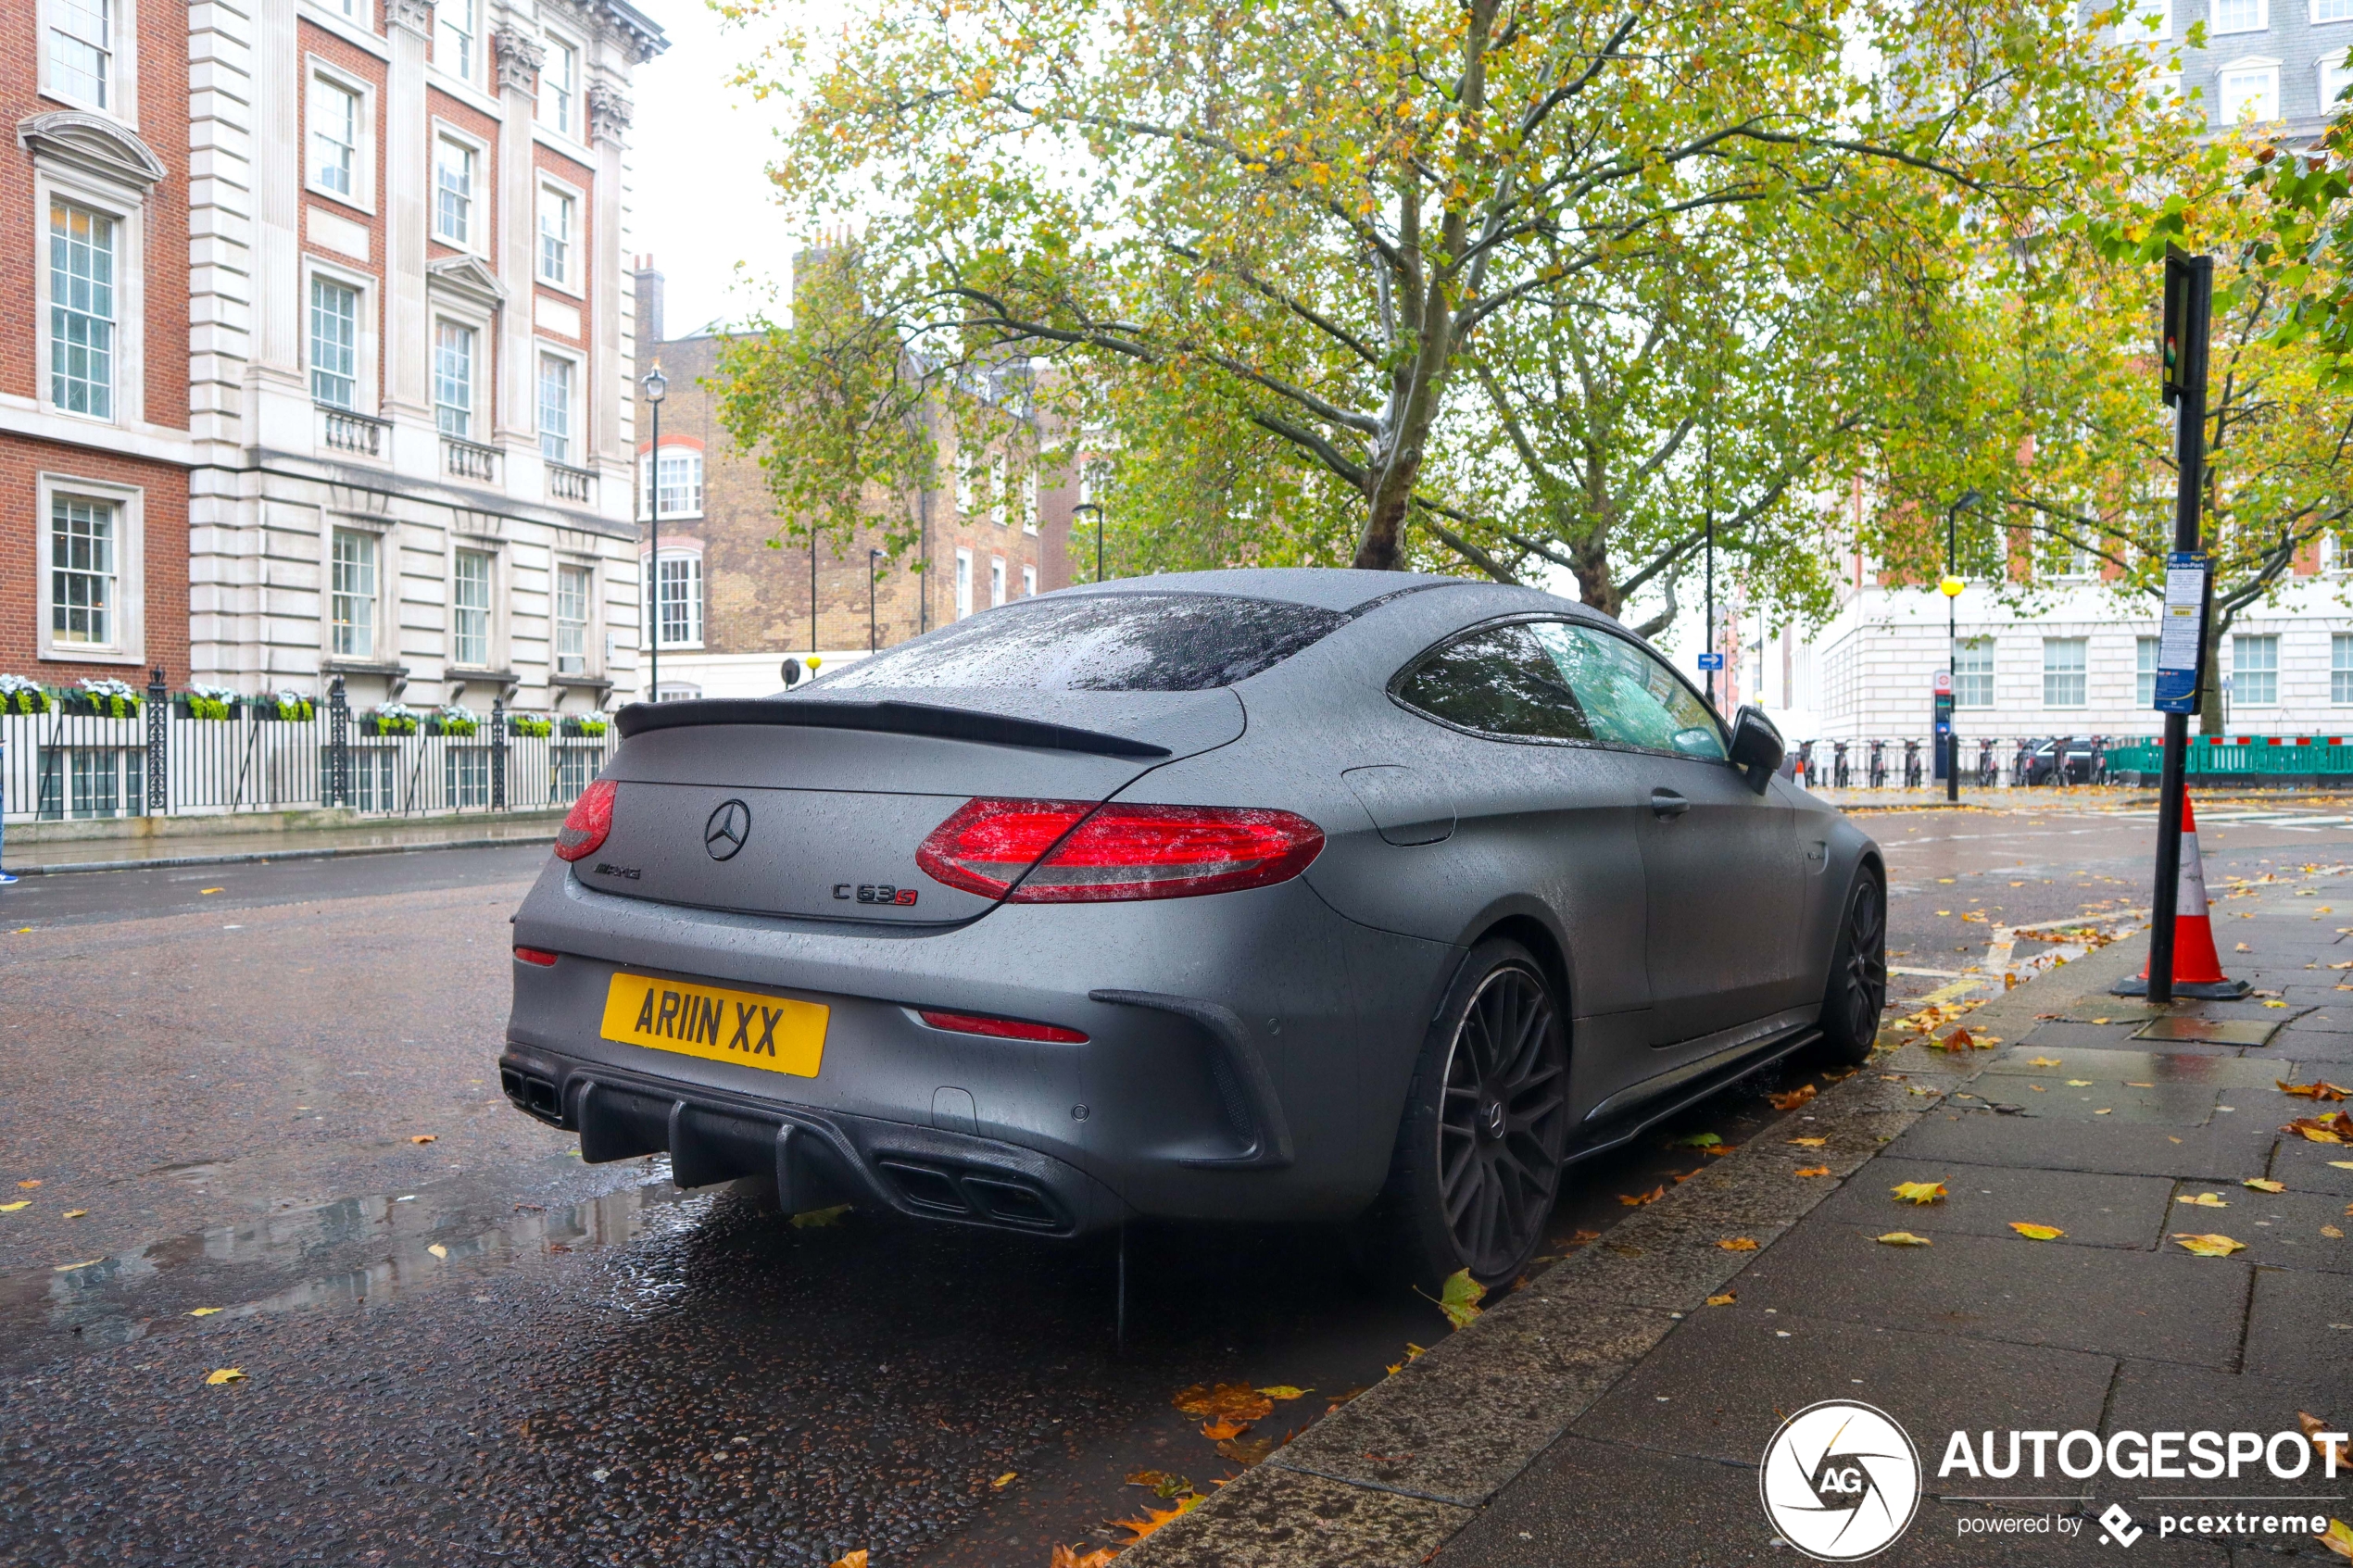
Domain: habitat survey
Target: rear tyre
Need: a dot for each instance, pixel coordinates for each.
(1479, 1150)
(1857, 988)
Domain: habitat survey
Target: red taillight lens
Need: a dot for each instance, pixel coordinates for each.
(539, 956)
(1071, 853)
(587, 822)
(999, 1028)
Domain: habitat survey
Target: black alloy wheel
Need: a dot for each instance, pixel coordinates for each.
(1479, 1153)
(1857, 989)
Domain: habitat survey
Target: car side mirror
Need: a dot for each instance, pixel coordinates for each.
(1756, 745)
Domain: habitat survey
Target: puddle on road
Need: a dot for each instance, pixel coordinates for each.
(387, 1245)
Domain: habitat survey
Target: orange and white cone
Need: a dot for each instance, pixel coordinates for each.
(2197, 966)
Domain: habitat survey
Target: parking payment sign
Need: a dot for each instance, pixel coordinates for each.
(1943, 682)
(2181, 632)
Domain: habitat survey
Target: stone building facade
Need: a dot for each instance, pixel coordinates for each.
(733, 608)
(2275, 61)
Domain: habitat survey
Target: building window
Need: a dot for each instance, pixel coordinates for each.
(572, 620)
(999, 489)
(81, 309)
(2145, 672)
(681, 483)
(555, 236)
(453, 379)
(1973, 673)
(963, 583)
(559, 82)
(335, 136)
(555, 408)
(353, 601)
(996, 581)
(453, 188)
(2240, 15)
(453, 37)
(2246, 91)
(470, 610)
(82, 50)
(2341, 670)
(2254, 672)
(1028, 581)
(1029, 501)
(2329, 551)
(334, 344)
(676, 613)
(2331, 11)
(2336, 76)
(85, 573)
(2063, 671)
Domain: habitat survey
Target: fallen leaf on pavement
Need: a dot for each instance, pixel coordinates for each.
(2338, 1537)
(1792, 1099)
(2207, 1201)
(2036, 1232)
(2323, 1129)
(1809, 1143)
(1285, 1391)
(224, 1375)
(203, 1312)
(1246, 1451)
(206, 890)
(1738, 1243)
(2245, 948)
(1958, 1040)
(849, 1560)
(2331, 1233)
(1905, 1238)
(1696, 1140)
(2209, 1246)
(1067, 1557)
(1160, 1481)
(2331, 1454)
(439, 1250)
(2104, 1110)
(1919, 1192)
(1651, 1197)
(2262, 1185)
(68, 1268)
(1156, 1517)
(817, 1219)
(2042, 1062)
(2079, 1083)
(1459, 1299)
(2321, 1090)
(1811, 1171)
(75, 1214)
(2275, 1004)
(1003, 1480)
(12, 1208)
(1228, 1402)
(422, 1137)
(34, 1183)
(2342, 1164)
(1724, 1300)
(1580, 1239)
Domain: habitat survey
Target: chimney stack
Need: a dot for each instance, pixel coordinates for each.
(648, 305)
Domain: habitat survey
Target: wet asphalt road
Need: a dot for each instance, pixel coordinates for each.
(474, 1349)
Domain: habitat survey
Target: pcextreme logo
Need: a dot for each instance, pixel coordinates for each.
(1841, 1481)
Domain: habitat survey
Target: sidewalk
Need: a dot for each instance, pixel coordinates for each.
(1609, 1414)
(40, 849)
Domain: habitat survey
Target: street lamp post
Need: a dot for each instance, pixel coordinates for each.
(656, 386)
(1091, 506)
(874, 565)
(1951, 588)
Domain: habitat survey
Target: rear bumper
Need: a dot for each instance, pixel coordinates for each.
(816, 1157)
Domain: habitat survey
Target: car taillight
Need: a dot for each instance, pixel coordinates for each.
(539, 956)
(999, 1028)
(1065, 852)
(587, 822)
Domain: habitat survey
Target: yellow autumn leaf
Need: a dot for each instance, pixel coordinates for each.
(2207, 1201)
(1905, 1238)
(33, 1183)
(203, 1312)
(422, 1137)
(1003, 1480)
(224, 1375)
(1919, 1192)
(75, 1214)
(1738, 1243)
(819, 1218)
(2042, 1062)
(2209, 1246)
(12, 1208)
(1809, 1143)
(2338, 1537)
(439, 1250)
(2079, 1083)
(1724, 1300)
(1811, 1171)
(68, 1268)
(849, 1560)
(2262, 1183)
(1285, 1391)
(2033, 1232)
(2331, 1233)
(2342, 1164)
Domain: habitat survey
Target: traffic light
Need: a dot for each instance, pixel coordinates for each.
(2182, 346)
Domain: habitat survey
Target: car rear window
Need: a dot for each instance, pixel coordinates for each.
(1102, 643)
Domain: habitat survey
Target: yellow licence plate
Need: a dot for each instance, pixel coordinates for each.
(773, 1032)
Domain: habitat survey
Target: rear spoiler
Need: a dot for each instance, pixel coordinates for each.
(892, 717)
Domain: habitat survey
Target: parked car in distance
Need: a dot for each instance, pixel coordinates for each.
(1243, 896)
(2064, 759)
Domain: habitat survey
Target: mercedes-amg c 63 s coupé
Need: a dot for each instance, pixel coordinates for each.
(1245, 896)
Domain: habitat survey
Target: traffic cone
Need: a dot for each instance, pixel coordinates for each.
(2197, 967)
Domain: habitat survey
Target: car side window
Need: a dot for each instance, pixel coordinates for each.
(1630, 697)
(1501, 681)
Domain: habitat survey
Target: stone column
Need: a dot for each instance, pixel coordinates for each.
(611, 376)
(519, 56)
(407, 207)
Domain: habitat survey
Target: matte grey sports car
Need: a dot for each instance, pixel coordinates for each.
(1237, 895)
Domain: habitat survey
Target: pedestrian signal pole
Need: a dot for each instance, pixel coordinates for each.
(2181, 661)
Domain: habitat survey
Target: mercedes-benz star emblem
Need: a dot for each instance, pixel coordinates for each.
(728, 829)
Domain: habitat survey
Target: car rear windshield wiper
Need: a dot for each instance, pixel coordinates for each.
(893, 717)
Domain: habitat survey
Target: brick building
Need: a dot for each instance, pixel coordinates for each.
(331, 365)
(733, 608)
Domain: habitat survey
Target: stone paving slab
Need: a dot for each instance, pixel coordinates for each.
(2143, 1304)
(2094, 1210)
(2164, 1397)
(2299, 1329)
(2314, 1167)
(2282, 1230)
(2151, 1065)
(1740, 1370)
(2228, 1151)
(2055, 1099)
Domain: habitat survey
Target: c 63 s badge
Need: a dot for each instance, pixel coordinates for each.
(874, 892)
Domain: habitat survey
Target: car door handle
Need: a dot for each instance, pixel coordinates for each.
(1667, 803)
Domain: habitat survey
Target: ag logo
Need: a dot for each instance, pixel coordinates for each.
(1840, 1481)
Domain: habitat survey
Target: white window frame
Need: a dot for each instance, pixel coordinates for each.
(468, 71)
(1000, 488)
(968, 480)
(690, 552)
(1029, 499)
(567, 120)
(2214, 20)
(2130, 28)
(964, 582)
(365, 529)
(576, 433)
(2081, 672)
(477, 424)
(592, 608)
(996, 581)
(2341, 668)
(122, 63)
(2328, 553)
(2346, 13)
(2144, 672)
(2239, 641)
(648, 492)
(2253, 66)
(1962, 680)
(480, 196)
(573, 283)
(363, 152)
(365, 399)
(129, 358)
(494, 629)
(2330, 76)
(129, 645)
(361, 12)
(1028, 581)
